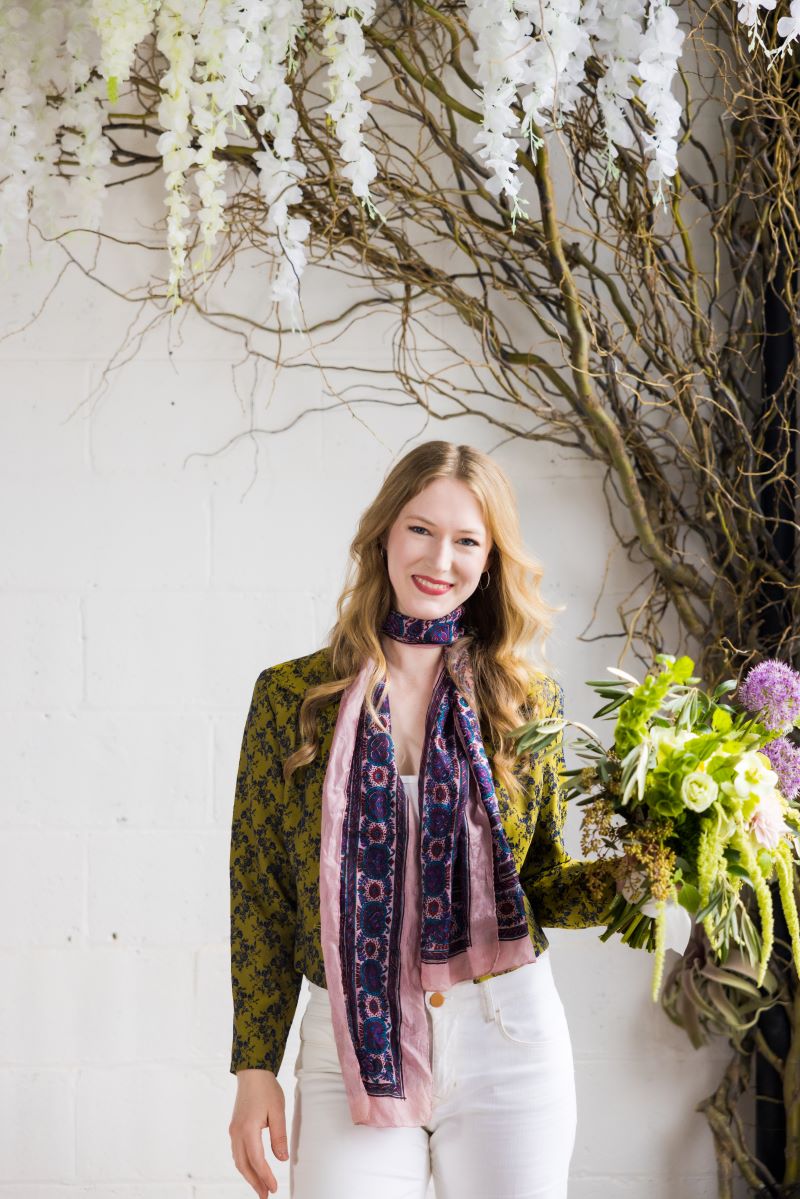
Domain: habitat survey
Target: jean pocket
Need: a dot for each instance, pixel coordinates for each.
(532, 1020)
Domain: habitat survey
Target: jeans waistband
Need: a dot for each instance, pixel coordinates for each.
(484, 992)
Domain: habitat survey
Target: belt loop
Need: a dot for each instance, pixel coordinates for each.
(487, 998)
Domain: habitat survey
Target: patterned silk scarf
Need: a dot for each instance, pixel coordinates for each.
(375, 992)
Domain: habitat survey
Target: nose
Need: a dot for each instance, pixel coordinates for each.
(442, 558)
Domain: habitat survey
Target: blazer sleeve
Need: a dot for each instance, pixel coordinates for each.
(564, 892)
(263, 899)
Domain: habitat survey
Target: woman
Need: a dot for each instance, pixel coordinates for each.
(387, 845)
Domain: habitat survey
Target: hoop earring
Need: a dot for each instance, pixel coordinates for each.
(483, 586)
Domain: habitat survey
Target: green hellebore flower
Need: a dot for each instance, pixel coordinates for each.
(664, 801)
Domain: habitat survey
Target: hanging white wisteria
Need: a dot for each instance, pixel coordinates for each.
(273, 28)
(121, 25)
(658, 65)
(616, 40)
(344, 46)
(554, 63)
(176, 29)
(45, 47)
(62, 65)
(217, 93)
(503, 42)
(81, 119)
(26, 136)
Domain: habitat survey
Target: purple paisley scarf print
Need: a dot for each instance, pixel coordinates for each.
(379, 994)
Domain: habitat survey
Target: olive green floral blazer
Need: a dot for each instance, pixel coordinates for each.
(275, 852)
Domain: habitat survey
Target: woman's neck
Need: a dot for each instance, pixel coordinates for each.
(413, 664)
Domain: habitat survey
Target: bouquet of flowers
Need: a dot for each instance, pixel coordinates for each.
(694, 799)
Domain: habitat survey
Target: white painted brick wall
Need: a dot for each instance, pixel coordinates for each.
(155, 557)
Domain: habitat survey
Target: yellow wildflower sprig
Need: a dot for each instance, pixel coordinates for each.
(710, 853)
(658, 964)
(785, 869)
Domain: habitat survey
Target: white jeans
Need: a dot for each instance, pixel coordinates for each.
(505, 1112)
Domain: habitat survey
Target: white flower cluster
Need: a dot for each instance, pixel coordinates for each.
(52, 146)
(27, 138)
(81, 116)
(60, 62)
(273, 27)
(537, 50)
(121, 25)
(658, 65)
(554, 62)
(224, 54)
(347, 109)
(219, 88)
(616, 31)
(787, 27)
(177, 24)
(503, 42)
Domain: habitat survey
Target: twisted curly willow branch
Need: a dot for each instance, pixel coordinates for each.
(709, 1000)
(628, 334)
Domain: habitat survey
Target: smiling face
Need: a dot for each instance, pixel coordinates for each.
(438, 538)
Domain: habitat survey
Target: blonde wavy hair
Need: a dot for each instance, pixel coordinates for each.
(492, 667)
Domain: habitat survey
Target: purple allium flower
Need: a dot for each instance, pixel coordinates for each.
(775, 687)
(785, 759)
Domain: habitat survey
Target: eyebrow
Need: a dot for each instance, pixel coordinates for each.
(418, 516)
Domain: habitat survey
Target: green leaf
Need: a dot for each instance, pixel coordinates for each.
(752, 938)
(721, 720)
(689, 898)
(709, 908)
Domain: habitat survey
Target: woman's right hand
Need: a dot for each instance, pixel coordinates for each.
(260, 1103)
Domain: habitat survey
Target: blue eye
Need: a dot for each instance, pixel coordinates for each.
(413, 529)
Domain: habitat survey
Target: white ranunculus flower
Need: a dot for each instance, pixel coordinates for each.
(698, 790)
